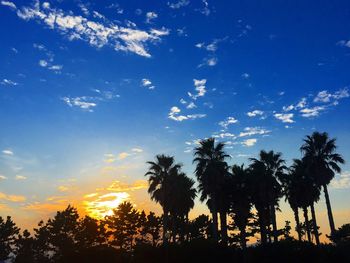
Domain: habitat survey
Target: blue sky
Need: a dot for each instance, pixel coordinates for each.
(90, 91)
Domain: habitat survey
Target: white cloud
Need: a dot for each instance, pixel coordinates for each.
(205, 9)
(228, 121)
(249, 131)
(344, 43)
(179, 4)
(245, 75)
(288, 108)
(210, 62)
(8, 82)
(80, 102)
(324, 96)
(175, 111)
(199, 87)
(191, 105)
(312, 112)
(2, 177)
(284, 117)
(211, 47)
(7, 152)
(137, 150)
(225, 135)
(9, 4)
(150, 16)
(43, 63)
(123, 155)
(20, 177)
(255, 113)
(97, 34)
(249, 142)
(160, 32)
(342, 181)
(147, 83)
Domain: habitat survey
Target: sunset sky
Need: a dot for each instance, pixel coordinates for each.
(91, 90)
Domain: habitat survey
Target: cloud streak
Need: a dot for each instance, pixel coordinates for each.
(97, 34)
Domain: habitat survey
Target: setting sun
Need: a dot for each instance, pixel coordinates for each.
(103, 205)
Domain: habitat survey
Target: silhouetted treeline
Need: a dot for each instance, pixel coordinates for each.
(242, 200)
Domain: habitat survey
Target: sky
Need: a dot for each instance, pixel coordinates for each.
(91, 90)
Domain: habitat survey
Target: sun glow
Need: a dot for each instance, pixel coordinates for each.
(103, 205)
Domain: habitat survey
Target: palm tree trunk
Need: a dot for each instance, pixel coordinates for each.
(223, 224)
(329, 210)
(314, 224)
(214, 213)
(274, 223)
(306, 217)
(165, 227)
(297, 222)
(262, 225)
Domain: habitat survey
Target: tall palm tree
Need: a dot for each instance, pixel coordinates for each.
(159, 173)
(323, 162)
(211, 169)
(182, 197)
(240, 200)
(291, 192)
(308, 193)
(274, 169)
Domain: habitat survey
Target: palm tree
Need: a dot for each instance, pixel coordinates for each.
(211, 169)
(182, 197)
(274, 169)
(308, 193)
(323, 162)
(240, 200)
(291, 192)
(159, 174)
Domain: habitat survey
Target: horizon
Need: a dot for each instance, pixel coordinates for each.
(89, 97)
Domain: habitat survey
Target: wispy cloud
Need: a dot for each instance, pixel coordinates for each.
(249, 142)
(179, 4)
(8, 82)
(20, 177)
(342, 181)
(9, 4)
(174, 114)
(81, 102)
(199, 87)
(255, 113)
(147, 83)
(325, 97)
(249, 131)
(150, 16)
(97, 34)
(8, 152)
(284, 117)
(228, 121)
(2, 177)
(12, 198)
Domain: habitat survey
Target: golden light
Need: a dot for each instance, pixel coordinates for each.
(103, 205)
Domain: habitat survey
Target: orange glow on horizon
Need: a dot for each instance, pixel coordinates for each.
(104, 205)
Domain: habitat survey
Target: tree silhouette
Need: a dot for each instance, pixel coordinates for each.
(8, 235)
(241, 200)
(123, 225)
(323, 162)
(25, 248)
(182, 195)
(211, 169)
(159, 186)
(266, 172)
